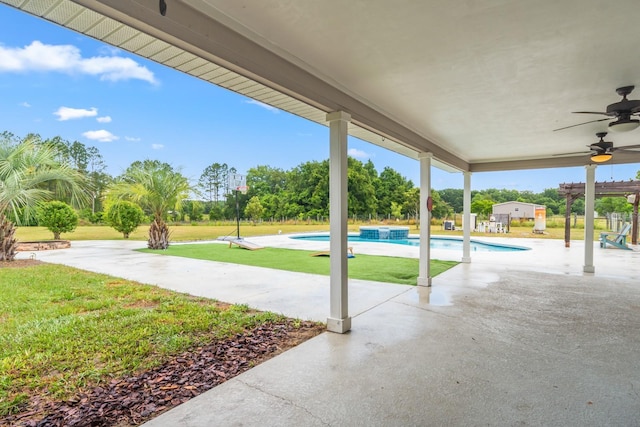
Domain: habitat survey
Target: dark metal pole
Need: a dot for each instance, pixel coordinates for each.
(237, 215)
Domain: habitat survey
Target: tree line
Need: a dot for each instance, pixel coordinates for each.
(36, 170)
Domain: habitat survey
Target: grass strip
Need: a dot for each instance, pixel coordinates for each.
(62, 329)
(366, 267)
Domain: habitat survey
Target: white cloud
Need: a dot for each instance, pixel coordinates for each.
(358, 154)
(263, 105)
(109, 50)
(157, 146)
(100, 135)
(67, 59)
(67, 113)
(25, 104)
(104, 119)
(132, 139)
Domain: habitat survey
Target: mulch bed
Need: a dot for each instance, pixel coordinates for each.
(133, 400)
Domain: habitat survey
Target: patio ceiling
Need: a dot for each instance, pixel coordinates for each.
(479, 84)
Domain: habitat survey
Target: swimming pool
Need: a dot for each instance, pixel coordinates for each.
(449, 243)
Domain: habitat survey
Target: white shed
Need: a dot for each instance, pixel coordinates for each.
(517, 210)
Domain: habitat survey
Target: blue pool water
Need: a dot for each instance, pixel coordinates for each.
(451, 243)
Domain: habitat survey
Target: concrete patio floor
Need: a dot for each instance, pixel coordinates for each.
(513, 338)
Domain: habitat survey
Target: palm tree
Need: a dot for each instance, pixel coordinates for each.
(157, 188)
(29, 175)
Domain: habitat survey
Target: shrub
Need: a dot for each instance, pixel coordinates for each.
(58, 217)
(125, 217)
(216, 213)
(91, 218)
(97, 218)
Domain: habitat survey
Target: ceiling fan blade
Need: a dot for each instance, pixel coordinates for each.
(580, 124)
(577, 153)
(626, 147)
(592, 112)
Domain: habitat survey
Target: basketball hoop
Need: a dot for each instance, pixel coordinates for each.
(239, 183)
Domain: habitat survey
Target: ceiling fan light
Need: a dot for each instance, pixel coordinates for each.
(624, 125)
(600, 157)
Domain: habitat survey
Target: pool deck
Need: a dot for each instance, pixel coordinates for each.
(512, 338)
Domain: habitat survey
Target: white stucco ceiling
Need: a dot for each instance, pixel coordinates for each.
(489, 80)
(481, 84)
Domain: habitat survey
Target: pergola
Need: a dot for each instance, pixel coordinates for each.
(463, 86)
(574, 191)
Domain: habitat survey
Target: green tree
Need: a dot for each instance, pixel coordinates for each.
(263, 180)
(454, 197)
(308, 189)
(396, 210)
(79, 156)
(193, 209)
(58, 217)
(441, 209)
(482, 206)
(98, 178)
(269, 184)
(504, 195)
(213, 181)
(229, 210)
(577, 207)
(392, 188)
(254, 209)
(361, 196)
(86, 160)
(158, 188)
(216, 212)
(552, 200)
(125, 217)
(607, 205)
(29, 175)
(412, 202)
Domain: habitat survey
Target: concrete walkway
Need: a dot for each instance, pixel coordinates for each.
(514, 338)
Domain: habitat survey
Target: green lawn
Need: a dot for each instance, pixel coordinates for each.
(210, 231)
(62, 329)
(366, 267)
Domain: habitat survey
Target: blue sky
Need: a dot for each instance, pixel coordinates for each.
(56, 82)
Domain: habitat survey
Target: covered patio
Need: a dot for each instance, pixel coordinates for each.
(515, 338)
(467, 87)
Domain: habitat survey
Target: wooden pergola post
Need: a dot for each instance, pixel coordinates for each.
(567, 218)
(602, 189)
(634, 220)
(567, 221)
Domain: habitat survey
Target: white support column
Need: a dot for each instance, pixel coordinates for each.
(466, 218)
(589, 206)
(424, 274)
(339, 320)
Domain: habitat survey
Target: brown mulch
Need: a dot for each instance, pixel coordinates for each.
(133, 400)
